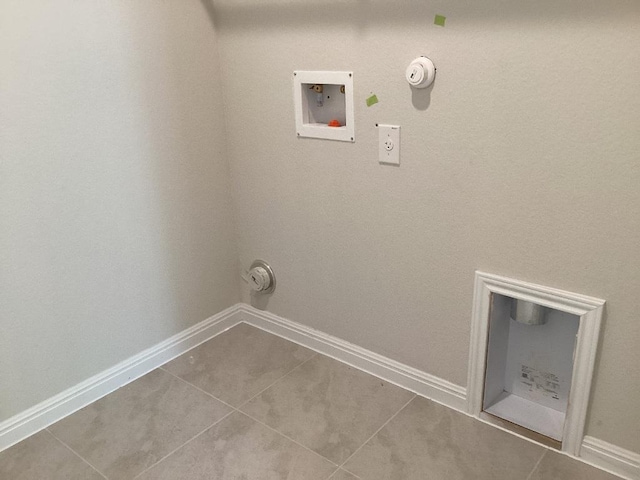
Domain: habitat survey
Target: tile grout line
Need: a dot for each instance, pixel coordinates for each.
(290, 439)
(340, 469)
(303, 446)
(233, 410)
(185, 443)
(198, 388)
(251, 398)
(535, 467)
(333, 474)
(376, 432)
(278, 379)
(76, 453)
(237, 409)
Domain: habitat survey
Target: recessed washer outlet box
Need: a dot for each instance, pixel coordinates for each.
(323, 103)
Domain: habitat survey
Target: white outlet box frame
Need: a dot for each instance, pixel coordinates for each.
(305, 128)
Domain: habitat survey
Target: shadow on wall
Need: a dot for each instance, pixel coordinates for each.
(259, 300)
(421, 97)
(277, 14)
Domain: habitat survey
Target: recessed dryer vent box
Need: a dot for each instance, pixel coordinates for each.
(529, 364)
(532, 355)
(324, 105)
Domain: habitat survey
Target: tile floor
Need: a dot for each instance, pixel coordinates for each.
(250, 405)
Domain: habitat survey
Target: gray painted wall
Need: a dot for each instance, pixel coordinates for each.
(115, 217)
(524, 161)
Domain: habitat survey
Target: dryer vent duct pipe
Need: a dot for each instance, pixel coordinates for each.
(528, 313)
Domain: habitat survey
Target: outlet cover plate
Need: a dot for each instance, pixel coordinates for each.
(389, 144)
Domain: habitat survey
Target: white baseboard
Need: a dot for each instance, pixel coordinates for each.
(595, 452)
(425, 385)
(40, 416)
(612, 458)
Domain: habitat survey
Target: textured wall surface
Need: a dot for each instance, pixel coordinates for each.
(522, 160)
(115, 217)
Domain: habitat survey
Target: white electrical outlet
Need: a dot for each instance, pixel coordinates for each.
(389, 144)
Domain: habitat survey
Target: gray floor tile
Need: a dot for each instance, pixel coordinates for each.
(127, 431)
(41, 456)
(556, 466)
(328, 406)
(241, 448)
(427, 440)
(239, 363)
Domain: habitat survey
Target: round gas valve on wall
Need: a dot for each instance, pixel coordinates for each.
(421, 72)
(261, 278)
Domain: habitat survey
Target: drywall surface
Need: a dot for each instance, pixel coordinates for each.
(115, 218)
(522, 160)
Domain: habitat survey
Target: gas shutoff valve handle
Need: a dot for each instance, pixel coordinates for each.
(421, 72)
(260, 277)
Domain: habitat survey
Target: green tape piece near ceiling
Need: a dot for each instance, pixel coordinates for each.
(439, 20)
(372, 100)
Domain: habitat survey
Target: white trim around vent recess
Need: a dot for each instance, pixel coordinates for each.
(587, 308)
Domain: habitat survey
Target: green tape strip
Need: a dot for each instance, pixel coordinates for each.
(439, 20)
(372, 100)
